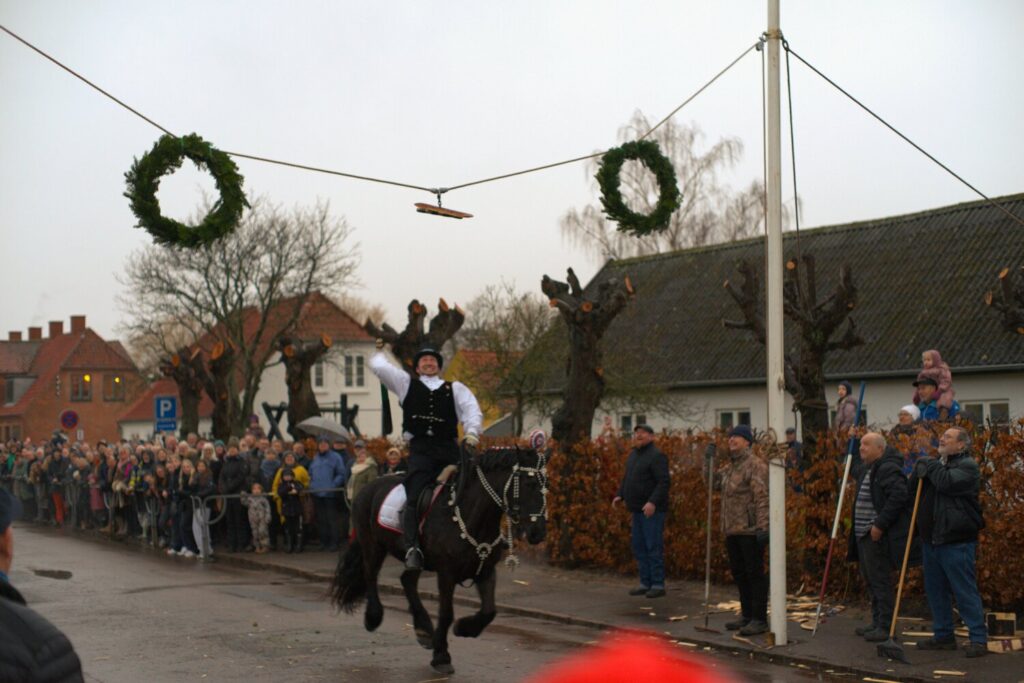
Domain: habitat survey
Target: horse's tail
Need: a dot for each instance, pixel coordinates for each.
(349, 585)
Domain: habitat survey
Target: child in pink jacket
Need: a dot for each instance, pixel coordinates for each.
(937, 369)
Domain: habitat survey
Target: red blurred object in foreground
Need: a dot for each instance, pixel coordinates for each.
(631, 657)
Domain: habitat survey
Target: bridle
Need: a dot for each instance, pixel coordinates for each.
(509, 506)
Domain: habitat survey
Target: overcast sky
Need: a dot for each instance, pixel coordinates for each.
(440, 93)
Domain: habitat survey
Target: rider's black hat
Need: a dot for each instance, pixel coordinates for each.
(428, 351)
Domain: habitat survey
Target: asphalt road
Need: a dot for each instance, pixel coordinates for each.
(136, 615)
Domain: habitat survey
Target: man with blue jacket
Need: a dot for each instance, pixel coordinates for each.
(327, 471)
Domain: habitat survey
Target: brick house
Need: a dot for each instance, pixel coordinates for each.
(74, 381)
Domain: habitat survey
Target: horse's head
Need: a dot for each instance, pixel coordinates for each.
(528, 496)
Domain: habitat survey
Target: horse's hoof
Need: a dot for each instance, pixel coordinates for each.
(443, 668)
(426, 640)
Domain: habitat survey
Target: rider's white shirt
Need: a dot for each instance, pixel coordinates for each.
(398, 380)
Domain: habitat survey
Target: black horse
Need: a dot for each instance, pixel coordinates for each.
(462, 539)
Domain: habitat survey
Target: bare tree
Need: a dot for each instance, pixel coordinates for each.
(710, 211)
(242, 291)
(1010, 303)
(506, 324)
(817, 320)
(361, 309)
(587, 319)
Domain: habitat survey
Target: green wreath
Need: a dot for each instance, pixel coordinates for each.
(649, 154)
(167, 154)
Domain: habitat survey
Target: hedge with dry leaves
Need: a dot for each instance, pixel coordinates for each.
(585, 530)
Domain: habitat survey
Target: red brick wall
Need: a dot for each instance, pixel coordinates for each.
(96, 417)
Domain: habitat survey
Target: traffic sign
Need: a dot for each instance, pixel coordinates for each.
(69, 419)
(165, 413)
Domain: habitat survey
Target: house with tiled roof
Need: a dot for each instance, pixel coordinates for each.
(921, 280)
(344, 370)
(72, 381)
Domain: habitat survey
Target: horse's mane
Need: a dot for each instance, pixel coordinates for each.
(497, 459)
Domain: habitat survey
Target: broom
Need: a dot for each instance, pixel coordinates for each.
(709, 454)
(890, 648)
(839, 510)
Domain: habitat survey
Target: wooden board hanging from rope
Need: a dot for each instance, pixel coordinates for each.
(441, 211)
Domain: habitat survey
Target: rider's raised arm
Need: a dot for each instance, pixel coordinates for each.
(395, 379)
(467, 409)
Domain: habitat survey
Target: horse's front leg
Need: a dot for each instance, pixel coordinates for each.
(474, 624)
(442, 661)
(420, 619)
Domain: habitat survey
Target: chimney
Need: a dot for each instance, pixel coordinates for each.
(14, 336)
(56, 328)
(77, 324)
(35, 333)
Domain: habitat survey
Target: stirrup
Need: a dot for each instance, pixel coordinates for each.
(414, 559)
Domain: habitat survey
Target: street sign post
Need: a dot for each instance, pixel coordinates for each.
(165, 413)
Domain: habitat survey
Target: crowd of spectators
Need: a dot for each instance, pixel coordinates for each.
(194, 495)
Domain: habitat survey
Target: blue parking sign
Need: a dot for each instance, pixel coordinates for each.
(165, 412)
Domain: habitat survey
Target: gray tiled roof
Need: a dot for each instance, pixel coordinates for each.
(921, 279)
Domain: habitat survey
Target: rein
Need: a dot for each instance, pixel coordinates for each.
(510, 510)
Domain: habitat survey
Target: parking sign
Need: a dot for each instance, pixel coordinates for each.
(165, 412)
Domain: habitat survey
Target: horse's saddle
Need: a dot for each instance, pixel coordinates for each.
(390, 515)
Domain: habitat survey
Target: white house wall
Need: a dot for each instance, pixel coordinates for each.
(882, 400)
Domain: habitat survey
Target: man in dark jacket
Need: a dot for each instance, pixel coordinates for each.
(644, 489)
(233, 474)
(31, 648)
(881, 520)
(948, 522)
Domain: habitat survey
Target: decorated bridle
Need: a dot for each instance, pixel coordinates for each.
(508, 505)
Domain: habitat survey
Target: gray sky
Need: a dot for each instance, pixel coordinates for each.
(440, 93)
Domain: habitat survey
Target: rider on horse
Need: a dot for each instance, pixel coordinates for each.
(432, 410)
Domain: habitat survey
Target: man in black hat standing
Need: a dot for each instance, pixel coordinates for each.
(31, 648)
(644, 489)
(431, 412)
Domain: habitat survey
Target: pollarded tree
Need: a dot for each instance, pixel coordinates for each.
(242, 291)
(817, 320)
(299, 356)
(587, 319)
(443, 326)
(709, 211)
(1010, 302)
(185, 367)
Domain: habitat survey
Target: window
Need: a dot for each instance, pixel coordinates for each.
(9, 391)
(982, 412)
(81, 386)
(355, 372)
(627, 423)
(732, 417)
(318, 374)
(113, 387)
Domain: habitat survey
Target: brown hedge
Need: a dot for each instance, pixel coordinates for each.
(585, 530)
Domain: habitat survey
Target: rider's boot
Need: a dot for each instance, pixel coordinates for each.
(410, 528)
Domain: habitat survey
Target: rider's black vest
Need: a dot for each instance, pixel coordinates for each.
(430, 413)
